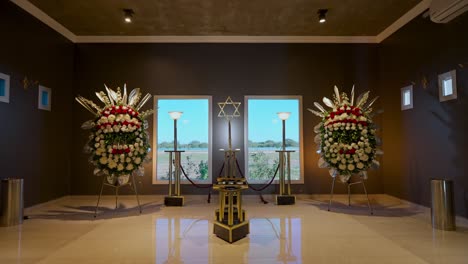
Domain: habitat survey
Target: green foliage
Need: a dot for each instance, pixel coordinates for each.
(260, 167)
(273, 144)
(191, 145)
(200, 170)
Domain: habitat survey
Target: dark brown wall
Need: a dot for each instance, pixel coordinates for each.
(220, 70)
(35, 144)
(429, 141)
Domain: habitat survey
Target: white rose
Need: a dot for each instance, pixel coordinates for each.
(129, 167)
(112, 164)
(111, 118)
(360, 165)
(342, 167)
(120, 167)
(103, 160)
(97, 145)
(334, 161)
(368, 150)
(343, 161)
(138, 160)
(350, 167)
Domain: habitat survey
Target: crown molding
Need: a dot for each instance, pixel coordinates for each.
(399, 23)
(46, 19)
(403, 20)
(226, 39)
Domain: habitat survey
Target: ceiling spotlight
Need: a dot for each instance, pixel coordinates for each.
(128, 14)
(322, 14)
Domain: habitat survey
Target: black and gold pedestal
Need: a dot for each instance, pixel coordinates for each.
(230, 224)
(285, 197)
(174, 198)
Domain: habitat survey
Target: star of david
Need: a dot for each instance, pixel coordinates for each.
(229, 101)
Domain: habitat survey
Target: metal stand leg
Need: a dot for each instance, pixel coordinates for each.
(99, 198)
(331, 192)
(136, 192)
(116, 197)
(368, 201)
(349, 194)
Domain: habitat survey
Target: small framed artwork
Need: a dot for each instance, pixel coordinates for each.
(407, 97)
(448, 86)
(45, 98)
(4, 88)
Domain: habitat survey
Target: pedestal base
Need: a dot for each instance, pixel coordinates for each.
(174, 201)
(285, 199)
(231, 233)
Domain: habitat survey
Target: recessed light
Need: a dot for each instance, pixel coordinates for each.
(128, 15)
(322, 15)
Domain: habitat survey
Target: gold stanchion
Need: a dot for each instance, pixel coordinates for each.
(174, 198)
(284, 197)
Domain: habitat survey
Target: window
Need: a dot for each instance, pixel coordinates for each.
(44, 101)
(193, 136)
(407, 97)
(4, 88)
(448, 86)
(263, 137)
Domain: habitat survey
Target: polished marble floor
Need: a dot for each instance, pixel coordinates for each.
(65, 232)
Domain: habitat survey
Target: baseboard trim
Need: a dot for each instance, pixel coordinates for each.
(39, 205)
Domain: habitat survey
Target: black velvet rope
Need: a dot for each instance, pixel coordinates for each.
(261, 188)
(196, 185)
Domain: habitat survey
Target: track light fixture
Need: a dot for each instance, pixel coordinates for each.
(322, 15)
(128, 15)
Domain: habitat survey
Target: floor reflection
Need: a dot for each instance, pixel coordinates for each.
(178, 240)
(187, 240)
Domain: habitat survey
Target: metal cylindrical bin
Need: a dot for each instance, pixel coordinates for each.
(442, 209)
(12, 202)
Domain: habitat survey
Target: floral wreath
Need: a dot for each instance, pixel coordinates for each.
(118, 143)
(346, 135)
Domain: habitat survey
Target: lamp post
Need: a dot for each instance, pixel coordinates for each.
(284, 197)
(174, 198)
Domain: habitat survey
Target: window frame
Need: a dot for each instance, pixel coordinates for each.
(155, 180)
(246, 134)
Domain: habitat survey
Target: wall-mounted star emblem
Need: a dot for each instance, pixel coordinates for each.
(229, 101)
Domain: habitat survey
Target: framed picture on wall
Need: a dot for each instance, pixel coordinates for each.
(448, 86)
(407, 97)
(4, 88)
(44, 98)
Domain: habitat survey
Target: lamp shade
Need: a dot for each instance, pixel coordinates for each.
(175, 115)
(283, 115)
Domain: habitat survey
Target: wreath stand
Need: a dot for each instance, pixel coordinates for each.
(349, 184)
(116, 186)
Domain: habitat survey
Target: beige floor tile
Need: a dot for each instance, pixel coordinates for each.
(66, 232)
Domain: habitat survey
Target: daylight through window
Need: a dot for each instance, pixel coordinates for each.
(264, 135)
(193, 136)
